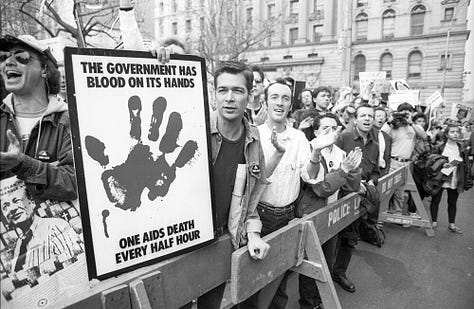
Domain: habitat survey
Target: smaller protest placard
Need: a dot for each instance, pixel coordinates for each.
(461, 112)
(435, 100)
(403, 96)
(375, 80)
(399, 85)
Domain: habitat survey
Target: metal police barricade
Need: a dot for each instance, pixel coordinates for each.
(387, 185)
(297, 247)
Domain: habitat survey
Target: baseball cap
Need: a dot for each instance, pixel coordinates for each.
(8, 41)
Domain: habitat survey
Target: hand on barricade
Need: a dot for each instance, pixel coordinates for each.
(125, 183)
(257, 247)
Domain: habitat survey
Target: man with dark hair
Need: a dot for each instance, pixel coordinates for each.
(363, 137)
(403, 133)
(385, 141)
(340, 172)
(234, 142)
(322, 99)
(295, 163)
(34, 122)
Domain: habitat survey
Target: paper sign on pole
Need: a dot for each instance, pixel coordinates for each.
(404, 96)
(374, 79)
(435, 100)
(461, 112)
(141, 149)
(399, 85)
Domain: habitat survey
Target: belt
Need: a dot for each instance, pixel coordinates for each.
(278, 211)
(400, 159)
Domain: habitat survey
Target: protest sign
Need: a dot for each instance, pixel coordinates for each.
(399, 85)
(461, 112)
(42, 251)
(403, 96)
(141, 149)
(435, 100)
(376, 80)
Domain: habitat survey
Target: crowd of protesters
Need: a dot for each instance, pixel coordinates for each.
(330, 141)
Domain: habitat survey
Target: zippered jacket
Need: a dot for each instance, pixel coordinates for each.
(46, 164)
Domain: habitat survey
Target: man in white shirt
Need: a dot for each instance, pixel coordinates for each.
(276, 206)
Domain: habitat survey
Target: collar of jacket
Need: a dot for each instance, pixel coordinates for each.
(55, 104)
(370, 135)
(250, 130)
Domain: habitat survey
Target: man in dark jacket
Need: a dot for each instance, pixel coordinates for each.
(34, 123)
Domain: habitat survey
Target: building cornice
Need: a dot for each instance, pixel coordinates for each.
(411, 38)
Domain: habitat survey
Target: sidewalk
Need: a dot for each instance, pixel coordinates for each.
(413, 270)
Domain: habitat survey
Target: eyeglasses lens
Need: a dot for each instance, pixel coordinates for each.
(21, 56)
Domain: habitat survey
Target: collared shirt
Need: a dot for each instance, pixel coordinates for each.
(403, 141)
(285, 180)
(350, 139)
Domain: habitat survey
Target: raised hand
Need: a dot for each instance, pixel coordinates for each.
(10, 158)
(325, 139)
(125, 183)
(276, 144)
(352, 161)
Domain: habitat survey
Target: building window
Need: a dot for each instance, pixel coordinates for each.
(386, 62)
(249, 17)
(448, 14)
(361, 26)
(361, 3)
(388, 1)
(188, 25)
(174, 6)
(201, 24)
(293, 36)
(317, 33)
(417, 20)
(388, 24)
(294, 10)
(271, 11)
(442, 62)
(270, 36)
(414, 64)
(174, 28)
(161, 8)
(359, 65)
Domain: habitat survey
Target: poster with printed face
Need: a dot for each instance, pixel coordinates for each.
(141, 149)
(42, 257)
(461, 112)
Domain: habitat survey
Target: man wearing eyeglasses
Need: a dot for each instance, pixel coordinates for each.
(34, 124)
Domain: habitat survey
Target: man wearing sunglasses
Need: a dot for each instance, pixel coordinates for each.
(35, 141)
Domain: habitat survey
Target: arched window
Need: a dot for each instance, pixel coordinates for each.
(388, 24)
(415, 60)
(359, 65)
(386, 61)
(361, 26)
(417, 19)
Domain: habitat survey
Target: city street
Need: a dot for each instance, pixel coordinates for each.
(412, 270)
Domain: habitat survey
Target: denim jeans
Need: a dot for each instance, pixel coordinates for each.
(272, 220)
